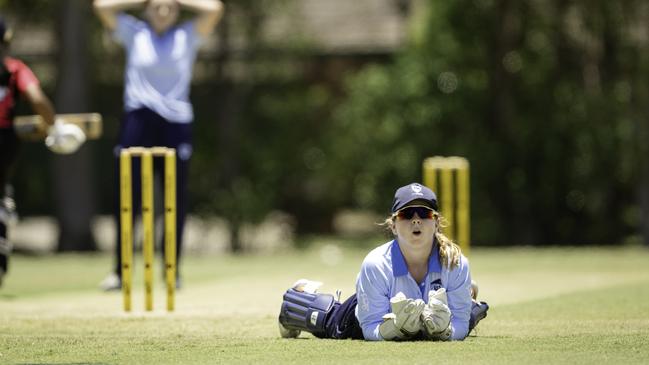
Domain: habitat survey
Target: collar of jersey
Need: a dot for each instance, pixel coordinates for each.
(399, 267)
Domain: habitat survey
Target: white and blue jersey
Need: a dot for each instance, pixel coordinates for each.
(158, 67)
(384, 273)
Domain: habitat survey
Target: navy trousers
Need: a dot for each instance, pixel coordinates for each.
(342, 322)
(145, 128)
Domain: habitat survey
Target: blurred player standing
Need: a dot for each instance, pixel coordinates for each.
(16, 80)
(159, 58)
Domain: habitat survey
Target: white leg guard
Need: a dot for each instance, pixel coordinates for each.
(5, 246)
(8, 214)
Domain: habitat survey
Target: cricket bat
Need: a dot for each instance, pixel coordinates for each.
(33, 128)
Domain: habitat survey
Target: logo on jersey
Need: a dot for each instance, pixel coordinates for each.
(3, 92)
(436, 284)
(363, 302)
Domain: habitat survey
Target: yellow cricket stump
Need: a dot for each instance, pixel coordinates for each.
(170, 226)
(448, 177)
(126, 215)
(146, 162)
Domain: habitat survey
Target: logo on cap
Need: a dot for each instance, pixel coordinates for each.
(416, 189)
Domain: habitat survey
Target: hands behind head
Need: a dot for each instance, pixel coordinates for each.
(162, 14)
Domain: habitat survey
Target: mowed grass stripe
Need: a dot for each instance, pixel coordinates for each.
(227, 313)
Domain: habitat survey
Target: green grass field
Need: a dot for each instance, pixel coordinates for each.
(549, 306)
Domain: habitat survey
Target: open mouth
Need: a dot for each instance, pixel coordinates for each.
(416, 233)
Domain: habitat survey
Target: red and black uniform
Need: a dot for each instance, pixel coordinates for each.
(15, 78)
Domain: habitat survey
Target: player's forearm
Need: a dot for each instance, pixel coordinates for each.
(202, 6)
(371, 332)
(107, 10)
(460, 329)
(117, 5)
(209, 13)
(45, 110)
(40, 103)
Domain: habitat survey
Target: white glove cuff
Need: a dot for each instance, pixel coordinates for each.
(445, 335)
(388, 329)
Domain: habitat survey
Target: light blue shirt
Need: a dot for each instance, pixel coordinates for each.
(384, 273)
(158, 67)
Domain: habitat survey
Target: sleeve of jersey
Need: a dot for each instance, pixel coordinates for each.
(372, 293)
(125, 28)
(24, 77)
(195, 38)
(459, 299)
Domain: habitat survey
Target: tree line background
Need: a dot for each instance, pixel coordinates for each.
(547, 99)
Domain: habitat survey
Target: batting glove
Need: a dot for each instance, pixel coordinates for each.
(404, 321)
(436, 316)
(64, 138)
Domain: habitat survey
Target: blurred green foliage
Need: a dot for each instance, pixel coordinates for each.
(547, 100)
(541, 97)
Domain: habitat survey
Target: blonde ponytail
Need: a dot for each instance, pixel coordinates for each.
(449, 251)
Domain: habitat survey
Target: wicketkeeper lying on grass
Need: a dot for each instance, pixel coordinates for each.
(417, 286)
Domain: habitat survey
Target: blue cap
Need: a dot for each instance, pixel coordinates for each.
(411, 192)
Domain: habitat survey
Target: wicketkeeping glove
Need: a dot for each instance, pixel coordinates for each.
(404, 321)
(64, 138)
(436, 316)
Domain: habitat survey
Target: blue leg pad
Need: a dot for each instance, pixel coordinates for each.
(306, 312)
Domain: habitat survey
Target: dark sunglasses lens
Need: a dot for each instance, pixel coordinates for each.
(408, 213)
(405, 213)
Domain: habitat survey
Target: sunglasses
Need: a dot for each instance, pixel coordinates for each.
(409, 212)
